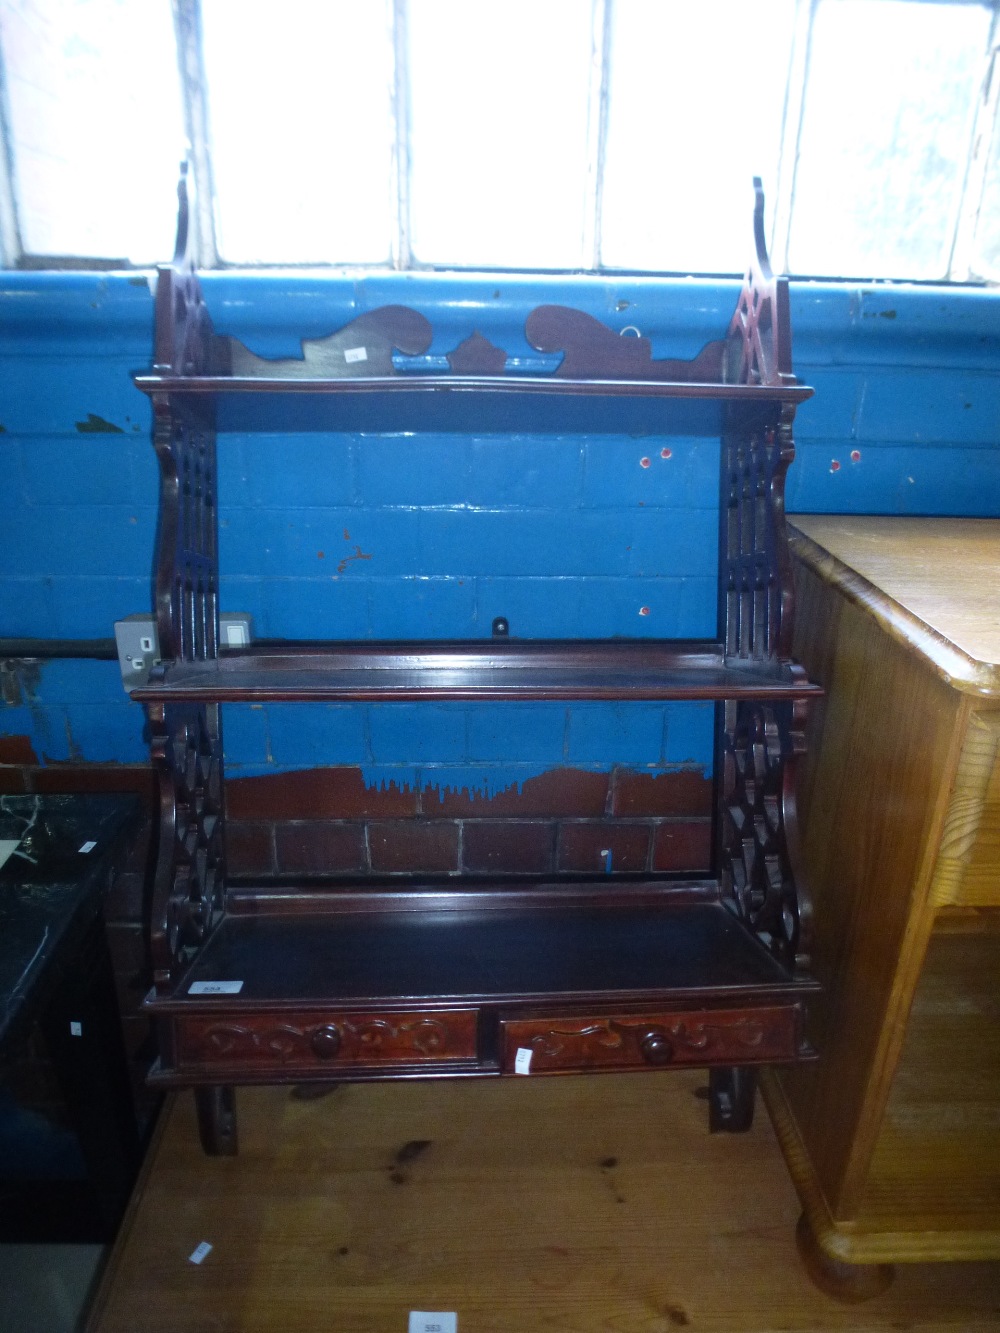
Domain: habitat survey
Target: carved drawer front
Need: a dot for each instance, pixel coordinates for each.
(323, 1040)
(652, 1041)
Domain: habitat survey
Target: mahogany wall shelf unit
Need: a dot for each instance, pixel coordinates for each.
(273, 982)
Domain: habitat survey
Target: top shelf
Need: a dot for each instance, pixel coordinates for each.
(378, 371)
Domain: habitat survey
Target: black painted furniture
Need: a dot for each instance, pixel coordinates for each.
(278, 982)
(55, 970)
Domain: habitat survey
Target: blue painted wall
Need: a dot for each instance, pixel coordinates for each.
(432, 535)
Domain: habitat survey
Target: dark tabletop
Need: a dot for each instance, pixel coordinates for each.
(51, 889)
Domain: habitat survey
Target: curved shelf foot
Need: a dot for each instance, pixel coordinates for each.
(216, 1108)
(845, 1282)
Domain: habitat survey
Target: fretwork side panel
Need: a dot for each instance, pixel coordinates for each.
(755, 574)
(758, 826)
(189, 887)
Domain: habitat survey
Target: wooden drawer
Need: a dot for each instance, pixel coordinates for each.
(654, 1041)
(321, 1040)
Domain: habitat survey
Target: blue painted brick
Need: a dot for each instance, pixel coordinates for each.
(243, 594)
(412, 470)
(690, 733)
(417, 733)
(108, 733)
(296, 471)
(523, 543)
(289, 542)
(832, 413)
(681, 608)
(80, 681)
(660, 472)
(524, 472)
(331, 608)
(675, 542)
(311, 735)
(512, 732)
(627, 733)
(537, 608)
(245, 735)
(391, 777)
(896, 479)
(50, 395)
(25, 604)
(84, 608)
(67, 539)
(930, 405)
(422, 608)
(86, 470)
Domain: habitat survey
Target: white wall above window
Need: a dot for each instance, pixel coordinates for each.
(511, 134)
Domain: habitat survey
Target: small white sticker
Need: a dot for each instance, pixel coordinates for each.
(201, 1252)
(215, 987)
(352, 354)
(433, 1321)
(522, 1061)
(88, 846)
(76, 1029)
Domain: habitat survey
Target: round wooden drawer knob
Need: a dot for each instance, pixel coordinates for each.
(326, 1042)
(655, 1047)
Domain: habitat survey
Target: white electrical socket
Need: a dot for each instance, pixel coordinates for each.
(138, 648)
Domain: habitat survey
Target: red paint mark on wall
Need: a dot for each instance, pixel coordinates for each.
(666, 453)
(320, 555)
(834, 466)
(855, 455)
(644, 610)
(644, 462)
(357, 554)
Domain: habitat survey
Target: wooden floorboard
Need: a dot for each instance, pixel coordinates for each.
(585, 1204)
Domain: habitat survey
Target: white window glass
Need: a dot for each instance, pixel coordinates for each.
(885, 135)
(986, 256)
(300, 121)
(96, 125)
(697, 96)
(498, 131)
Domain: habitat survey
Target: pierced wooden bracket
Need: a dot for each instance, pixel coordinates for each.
(759, 340)
(361, 349)
(477, 356)
(758, 827)
(593, 351)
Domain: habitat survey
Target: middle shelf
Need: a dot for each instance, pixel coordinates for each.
(491, 670)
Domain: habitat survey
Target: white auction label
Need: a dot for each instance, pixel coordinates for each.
(215, 987)
(75, 1028)
(352, 354)
(433, 1321)
(200, 1252)
(522, 1061)
(88, 846)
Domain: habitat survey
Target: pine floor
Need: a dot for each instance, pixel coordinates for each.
(585, 1204)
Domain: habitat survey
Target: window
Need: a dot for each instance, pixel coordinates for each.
(580, 135)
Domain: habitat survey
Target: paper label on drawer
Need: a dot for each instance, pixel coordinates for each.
(433, 1321)
(352, 354)
(522, 1061)
(215, 987)
(200, 1252)
(88, 846)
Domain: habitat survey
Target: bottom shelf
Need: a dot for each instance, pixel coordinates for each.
(607, 983)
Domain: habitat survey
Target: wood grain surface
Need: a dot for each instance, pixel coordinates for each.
(591, 1205)
(939, 573)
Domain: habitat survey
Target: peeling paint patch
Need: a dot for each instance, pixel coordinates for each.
(3, 430)
(95, 425)
(887, 314)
